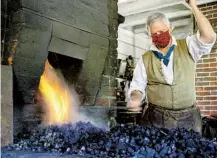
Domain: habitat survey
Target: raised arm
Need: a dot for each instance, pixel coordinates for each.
(207, 34)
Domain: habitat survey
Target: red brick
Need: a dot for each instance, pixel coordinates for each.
(213, 74)
(214, 93)
(213, 112)
(215, 7)
(202, 93)
(199, 98)
(213, 51)
(203, 103)
(210, 69)
(201, 107)
(203, 6)
(208, 12)
(210, 88)
(209, 60)
(199, 88)
(200, 61)
(199, 79)
(213, 20)
(205, 56)
(213, 64)
(210, 78)
(202, 65)
(199, 70)
(213, 55)
(202, 83)
(205, 112)
(213, 83)
(206, 8)
(210, 98)
(209, 16)
(213, 103)
(210, 107)
(211, 4)
(202, 74)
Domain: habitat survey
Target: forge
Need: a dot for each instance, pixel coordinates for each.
(78, 39)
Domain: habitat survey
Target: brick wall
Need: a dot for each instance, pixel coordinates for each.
(206, 77)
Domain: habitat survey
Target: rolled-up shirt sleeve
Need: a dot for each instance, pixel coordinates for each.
(197, 48)
(139, 81)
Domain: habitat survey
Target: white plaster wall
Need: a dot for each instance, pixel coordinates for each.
(131, 44)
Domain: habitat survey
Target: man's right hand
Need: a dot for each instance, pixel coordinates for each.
(135, 102)
(134, 105)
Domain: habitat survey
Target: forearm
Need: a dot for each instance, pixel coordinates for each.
(207, 34)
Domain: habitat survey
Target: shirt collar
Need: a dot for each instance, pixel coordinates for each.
(153, 47)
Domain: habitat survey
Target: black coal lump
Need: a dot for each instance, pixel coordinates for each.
(121, 141)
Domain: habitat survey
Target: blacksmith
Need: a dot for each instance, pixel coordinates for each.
(166, 73)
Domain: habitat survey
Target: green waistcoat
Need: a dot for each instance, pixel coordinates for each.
(179, 95)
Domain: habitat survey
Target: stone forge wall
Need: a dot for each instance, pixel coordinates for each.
(92, 29)
(206, 77)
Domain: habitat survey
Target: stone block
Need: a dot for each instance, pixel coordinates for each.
(92, 68)
(106, 91)
(91, 88)
(6, 105)
(28, 67)
(12, 34)
(99, 6)
(109, 81)
(32, 20)
(112, 61)
(71, 34)
(113, 52)
(89, 100)
(32, 43)
(67, 48)
(86, 9)
(110, 70)
(94, 63)
(113, 43)
(26, 87)
(91, 25)
(33, 36)
(60, 10)
(106, 101)
(95, 39)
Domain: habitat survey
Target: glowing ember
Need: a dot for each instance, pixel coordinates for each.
(60, 106)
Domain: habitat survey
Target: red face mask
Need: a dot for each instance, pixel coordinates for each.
(162, 40)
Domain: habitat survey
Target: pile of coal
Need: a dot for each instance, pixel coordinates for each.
(122, 141)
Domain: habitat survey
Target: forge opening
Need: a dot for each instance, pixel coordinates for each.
(70, 67)
(57, 96)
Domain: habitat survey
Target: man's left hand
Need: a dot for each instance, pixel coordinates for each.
(191, 3)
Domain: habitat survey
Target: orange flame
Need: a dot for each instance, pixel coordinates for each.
(57, 97)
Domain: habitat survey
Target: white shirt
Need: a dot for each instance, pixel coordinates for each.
(196, 48)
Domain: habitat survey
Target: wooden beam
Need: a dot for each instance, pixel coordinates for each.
(177, 23)
(141, 18)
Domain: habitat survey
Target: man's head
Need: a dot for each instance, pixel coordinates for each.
(159, 28)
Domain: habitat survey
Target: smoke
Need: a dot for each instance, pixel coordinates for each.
(98, 122)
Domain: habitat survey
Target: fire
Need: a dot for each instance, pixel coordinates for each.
(57, 97)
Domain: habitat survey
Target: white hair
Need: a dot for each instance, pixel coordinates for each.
(156, 17)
